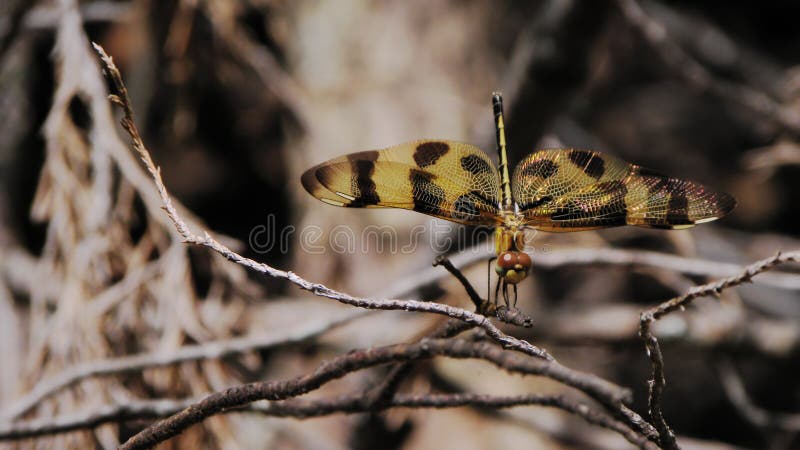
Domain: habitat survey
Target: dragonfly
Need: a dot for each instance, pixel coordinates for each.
(553, 190)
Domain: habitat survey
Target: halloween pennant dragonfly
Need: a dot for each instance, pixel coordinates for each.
(551, 190)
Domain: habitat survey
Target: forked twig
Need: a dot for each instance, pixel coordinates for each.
(480, 304)
(504, 313)
(657, 383)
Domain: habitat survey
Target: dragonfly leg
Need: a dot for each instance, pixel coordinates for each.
(489, 280)
(515, 296)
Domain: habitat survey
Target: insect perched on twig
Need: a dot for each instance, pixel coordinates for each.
(551, 190)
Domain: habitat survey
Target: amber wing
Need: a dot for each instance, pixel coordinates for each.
(445, 179)
(571, 190)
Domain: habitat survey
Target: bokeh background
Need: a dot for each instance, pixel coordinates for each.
(235, 99)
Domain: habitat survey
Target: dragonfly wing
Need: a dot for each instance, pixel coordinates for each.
(444, 179)
(571, 190)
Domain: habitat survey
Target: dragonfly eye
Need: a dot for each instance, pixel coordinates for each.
(513, 266)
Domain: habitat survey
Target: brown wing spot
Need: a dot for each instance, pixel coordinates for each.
(475, 165)
(608, 187)
(428, 197)
(427, 153)
(611, 213)
(478, 197)
(677, 210)
(540, 168)
(536, 203)
(369, 155)
(591, 163)
(465, 208)
(645, 172)
(362, 183)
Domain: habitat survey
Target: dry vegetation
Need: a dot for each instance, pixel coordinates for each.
(135, 311)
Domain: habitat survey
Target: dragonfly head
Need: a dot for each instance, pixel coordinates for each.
(513, 266)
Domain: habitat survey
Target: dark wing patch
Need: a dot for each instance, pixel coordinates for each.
(590, 162)
(362, 184)
(476, 165)
(542, 168)
(428, 197)
(427, 153)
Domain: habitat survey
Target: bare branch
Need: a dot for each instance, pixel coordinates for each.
(136, 363)
(480, 304)
(616, 256)
(697, 75)
(302, 409)
(603, 391)
(737, 393)
(657, 383)
(641, 258)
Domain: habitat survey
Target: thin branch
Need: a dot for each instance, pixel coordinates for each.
(386, 389)
(504, 313)
(303, 409)
(480, 304)
(137, 363)
(641, 258)
(696, 74)
(615, 256)
(715, 288)
(657, 383)
(603, 391)
(759, 417)
(122, 99)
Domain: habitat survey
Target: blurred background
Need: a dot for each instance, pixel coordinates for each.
(235, 99)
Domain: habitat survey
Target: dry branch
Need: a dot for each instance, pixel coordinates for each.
(599, 389)
(657, 383)
(697, 75)
(759, 417)
(136, 363)
(303, 409)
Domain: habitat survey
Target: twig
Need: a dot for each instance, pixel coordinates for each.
(599, 389)
(263, 63)
(122, 99)
(759, 417)
(657, 383)
(137, 363)
(616, 256)
(480, 304)
(680, 264)
(386, 389)
(302, 409)
(696, 74)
